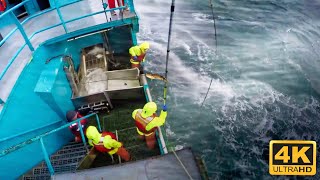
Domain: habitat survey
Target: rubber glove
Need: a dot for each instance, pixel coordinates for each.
(135, 58)
(164, 108)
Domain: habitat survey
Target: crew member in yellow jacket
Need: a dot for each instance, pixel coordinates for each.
(138, 54)
(147, 122)
(106, 142)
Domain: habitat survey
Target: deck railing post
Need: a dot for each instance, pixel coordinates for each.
(130, 4)
(98, 122)
(46, 157)
(82, 135)
(60, 16)
(23, 33)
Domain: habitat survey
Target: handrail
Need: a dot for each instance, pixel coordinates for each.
(47, 28)
(21, 145)
(71, 20)
(28, 39)
(27, 20)
(26, 132)
(14, 8)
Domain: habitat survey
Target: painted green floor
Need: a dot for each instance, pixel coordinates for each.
(120, 121)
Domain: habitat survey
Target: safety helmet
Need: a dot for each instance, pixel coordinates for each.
(149, 109)
(144, 46)
(93, 134)
(71, 115)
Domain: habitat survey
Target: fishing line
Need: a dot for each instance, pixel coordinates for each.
(216, 48)
(168, 52)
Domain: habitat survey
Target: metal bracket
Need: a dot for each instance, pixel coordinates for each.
(108, 99)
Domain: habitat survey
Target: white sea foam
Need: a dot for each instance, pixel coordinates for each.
(202, 17)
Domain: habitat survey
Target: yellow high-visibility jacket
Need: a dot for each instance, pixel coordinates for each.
(155, 122)
(139, 51)
(97, 139)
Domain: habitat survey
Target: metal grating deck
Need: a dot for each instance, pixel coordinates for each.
(120, 120)
(65, 160)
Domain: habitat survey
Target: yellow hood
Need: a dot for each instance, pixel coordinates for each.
(93, 134)
(144, 46)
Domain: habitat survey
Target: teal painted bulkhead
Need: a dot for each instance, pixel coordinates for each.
(41, 97)
(26, 112)
(53, 87)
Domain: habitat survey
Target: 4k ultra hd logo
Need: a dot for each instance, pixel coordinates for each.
(292, 157)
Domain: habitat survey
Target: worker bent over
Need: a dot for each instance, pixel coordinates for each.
(138, 54)
(106, 142)
(147, 122)
(74, 128)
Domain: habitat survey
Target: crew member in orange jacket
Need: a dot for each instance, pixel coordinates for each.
(106, 142)
(138, 54)
(74, 128)
(147, 122)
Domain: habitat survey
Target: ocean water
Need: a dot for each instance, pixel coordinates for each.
(266, 78)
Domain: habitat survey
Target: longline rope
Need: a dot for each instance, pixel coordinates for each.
(216, 48)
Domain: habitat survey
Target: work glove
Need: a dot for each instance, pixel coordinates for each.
(164, 108)
(135, 58)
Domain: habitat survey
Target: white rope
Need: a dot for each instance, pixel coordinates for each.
(185, 169)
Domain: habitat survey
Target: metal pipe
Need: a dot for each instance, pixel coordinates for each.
(81, 17)
(26, 132)
(130, 4)
(118, 140)
(14, 8)
(8, 36)
(28, 19)
(18, 146)
(36, 15)
(46, 157)
(23, 33)
(60, 16)
(82, 136)
(44, 29)
(92, 14)
(98, 122)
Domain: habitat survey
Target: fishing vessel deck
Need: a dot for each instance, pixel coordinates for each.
(175, 165)
(32, 24)
(73, 157)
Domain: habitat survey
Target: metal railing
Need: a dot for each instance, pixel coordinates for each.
(40, 138)
(27, 39)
